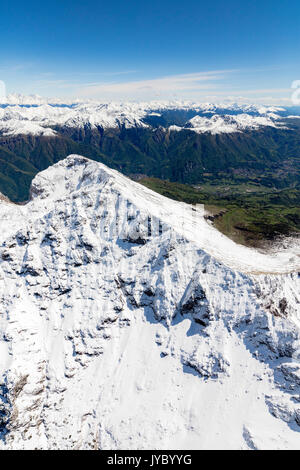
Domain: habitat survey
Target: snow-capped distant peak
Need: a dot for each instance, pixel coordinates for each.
(223, 124)
(45, 113)
(11, 127)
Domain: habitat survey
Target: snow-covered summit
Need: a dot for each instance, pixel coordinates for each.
(128, 321)
(224, 124)
(67, 176)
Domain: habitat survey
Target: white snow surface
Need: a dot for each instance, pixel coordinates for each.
(37, 116)
(225, 124)
(128, 322)
(32, 119)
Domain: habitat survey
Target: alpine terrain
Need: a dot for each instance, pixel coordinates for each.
(128, 321)
(182, 142)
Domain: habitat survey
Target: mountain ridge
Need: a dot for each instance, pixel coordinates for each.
(185, 216)
(119, 331)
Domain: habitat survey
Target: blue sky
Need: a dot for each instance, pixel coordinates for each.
(206, 51)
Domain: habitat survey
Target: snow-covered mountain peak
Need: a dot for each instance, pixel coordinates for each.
(78, 177)
(127, 321)
(220, 124)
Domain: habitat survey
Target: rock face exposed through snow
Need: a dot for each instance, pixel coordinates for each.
(127, 321)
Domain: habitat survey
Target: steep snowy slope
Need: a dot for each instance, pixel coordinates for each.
(127, 321)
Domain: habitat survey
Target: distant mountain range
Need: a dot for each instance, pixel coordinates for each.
(181, 142)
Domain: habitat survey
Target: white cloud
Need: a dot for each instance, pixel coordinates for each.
(210, 86)
(164, 87)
